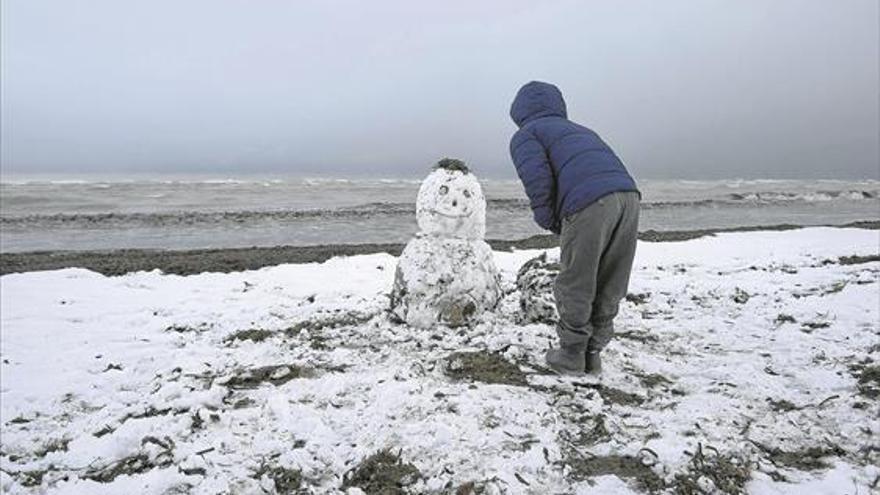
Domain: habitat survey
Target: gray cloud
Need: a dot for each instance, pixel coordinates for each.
(707, 89)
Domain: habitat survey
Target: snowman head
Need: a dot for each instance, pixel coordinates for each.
(451, 203)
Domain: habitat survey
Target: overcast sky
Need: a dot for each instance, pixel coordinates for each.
(679, 88)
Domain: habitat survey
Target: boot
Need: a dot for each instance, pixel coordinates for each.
(593, 363)
(567, 360)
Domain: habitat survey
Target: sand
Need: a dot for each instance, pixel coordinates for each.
(189, 262)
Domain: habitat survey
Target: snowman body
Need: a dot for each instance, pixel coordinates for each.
(446, 274)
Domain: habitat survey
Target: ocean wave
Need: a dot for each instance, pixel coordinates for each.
(198, 216)
(388, 209)
(732, 199)
(209, 182)
(192, 218)
(763, 199)
(809, 197)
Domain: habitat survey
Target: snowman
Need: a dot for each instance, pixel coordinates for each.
(446, 274)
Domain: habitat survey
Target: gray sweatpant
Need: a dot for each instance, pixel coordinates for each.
(597, 245)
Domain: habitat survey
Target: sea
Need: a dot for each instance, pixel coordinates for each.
(39, 213)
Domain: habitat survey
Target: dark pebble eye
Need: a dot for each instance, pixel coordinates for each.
(444, 190)
(467, 193)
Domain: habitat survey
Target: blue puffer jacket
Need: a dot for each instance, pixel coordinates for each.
(564, 166)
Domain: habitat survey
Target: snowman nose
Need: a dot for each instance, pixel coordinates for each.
(454, 202)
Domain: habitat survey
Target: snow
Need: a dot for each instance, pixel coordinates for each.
(97, 369)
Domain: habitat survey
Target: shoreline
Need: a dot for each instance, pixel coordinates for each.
(224, 260)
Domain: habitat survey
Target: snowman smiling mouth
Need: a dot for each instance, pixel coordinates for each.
(450, 215)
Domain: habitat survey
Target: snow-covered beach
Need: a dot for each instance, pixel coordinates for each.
(743, 361)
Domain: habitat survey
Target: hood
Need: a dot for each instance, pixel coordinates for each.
(535, 100)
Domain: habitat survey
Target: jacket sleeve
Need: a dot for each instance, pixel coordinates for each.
(534, 171)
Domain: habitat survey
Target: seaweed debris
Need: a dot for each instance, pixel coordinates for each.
(383, 473)
(483, 366)
(275, 374)
(717, 473)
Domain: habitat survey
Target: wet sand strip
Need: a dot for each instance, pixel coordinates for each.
(189, 262)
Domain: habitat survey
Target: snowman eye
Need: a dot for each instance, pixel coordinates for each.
(467, 193)
(443, 190)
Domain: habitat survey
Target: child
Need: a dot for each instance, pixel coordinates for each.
(579, 189)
